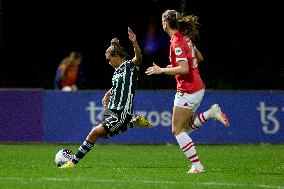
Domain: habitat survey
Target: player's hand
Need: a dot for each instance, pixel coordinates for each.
(105, 100)
(153, 70)
(131, 35)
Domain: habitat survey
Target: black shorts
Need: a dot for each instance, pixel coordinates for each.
(115, 121)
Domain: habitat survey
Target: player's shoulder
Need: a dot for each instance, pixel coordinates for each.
(129, 63)
(178, 40)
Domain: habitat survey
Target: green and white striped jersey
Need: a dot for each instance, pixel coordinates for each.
(124, 85)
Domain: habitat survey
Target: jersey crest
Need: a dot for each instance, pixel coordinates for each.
(178, 51)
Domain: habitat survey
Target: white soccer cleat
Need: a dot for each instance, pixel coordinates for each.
(193, 170)
(217, 114)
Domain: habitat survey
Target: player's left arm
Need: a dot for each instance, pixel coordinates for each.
(137, 59)
(106, 98)
(198, 54)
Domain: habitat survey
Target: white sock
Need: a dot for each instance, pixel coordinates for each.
(188, 148)
(199, 120)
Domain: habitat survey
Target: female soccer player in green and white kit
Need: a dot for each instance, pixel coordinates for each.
(117, 117)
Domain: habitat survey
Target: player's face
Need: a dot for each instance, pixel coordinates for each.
(111, 60)
(164, 24)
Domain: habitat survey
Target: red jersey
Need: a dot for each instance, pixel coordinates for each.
(182, 48)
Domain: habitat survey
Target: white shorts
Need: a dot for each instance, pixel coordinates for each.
(189, 101)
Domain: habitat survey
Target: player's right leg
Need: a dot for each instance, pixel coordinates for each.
(184, 109)
(179, 123)
(101, 131)
(217, 114)
(86, 146)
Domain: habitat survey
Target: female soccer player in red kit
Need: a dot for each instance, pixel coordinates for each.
(184, 58)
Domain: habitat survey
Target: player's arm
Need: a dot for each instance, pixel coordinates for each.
(198, 54)
(182, 68)
(182, 61)
(137, 59)
(106, 98)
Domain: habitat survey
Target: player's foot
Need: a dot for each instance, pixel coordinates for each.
(194, 169)
(217, 114)
(140, 121)
(69, 164)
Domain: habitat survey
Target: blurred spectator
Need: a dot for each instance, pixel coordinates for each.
(69, 76)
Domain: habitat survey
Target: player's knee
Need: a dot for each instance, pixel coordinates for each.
(176, 131)
(95, 133)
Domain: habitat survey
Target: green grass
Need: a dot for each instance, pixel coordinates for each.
(143, 166)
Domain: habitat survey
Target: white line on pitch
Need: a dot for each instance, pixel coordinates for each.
(137, 181)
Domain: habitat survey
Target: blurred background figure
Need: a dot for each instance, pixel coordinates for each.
(69, 76)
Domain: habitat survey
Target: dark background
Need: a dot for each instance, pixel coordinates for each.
(242, 41)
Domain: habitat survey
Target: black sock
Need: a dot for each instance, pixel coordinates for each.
(82, 151)
(130, 125)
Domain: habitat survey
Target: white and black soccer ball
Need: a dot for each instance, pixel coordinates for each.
(63, 156)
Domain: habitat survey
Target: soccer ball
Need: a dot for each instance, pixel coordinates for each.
(63, 156)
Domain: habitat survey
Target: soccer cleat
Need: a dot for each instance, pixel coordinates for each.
(217, 114)
(140, 121)
(193, 170)
(69, 164)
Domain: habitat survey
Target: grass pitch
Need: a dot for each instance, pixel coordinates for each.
(31, 166)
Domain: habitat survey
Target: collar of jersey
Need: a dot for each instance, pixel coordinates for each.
(121, 65)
